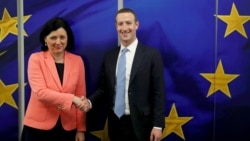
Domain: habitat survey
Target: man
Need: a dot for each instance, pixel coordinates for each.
(144, 112)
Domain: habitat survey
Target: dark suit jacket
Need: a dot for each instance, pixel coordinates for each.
(146, 89)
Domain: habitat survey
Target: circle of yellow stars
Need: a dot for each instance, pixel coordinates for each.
(102, 134)
(219, 80)
(8, 25)
(234, 22)
(174, 123)
(6, 92)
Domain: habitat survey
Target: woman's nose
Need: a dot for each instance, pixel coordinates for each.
(58, 41)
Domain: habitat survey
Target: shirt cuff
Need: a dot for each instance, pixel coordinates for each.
(158, 128)
(90, 104)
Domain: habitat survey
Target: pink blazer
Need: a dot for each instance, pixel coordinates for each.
(47, 92)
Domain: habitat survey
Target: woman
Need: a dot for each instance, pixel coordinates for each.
(57, 81)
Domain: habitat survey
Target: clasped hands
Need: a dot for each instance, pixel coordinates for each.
(82, 103)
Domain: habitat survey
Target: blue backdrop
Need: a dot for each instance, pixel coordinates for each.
(205, 46)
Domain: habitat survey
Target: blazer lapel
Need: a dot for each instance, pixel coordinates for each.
(137, 61)
(67, 67)
(52, 68)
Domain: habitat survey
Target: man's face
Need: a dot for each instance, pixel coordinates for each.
(126, 27)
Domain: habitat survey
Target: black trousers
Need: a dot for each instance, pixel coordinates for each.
(55, 134)
(121, 129)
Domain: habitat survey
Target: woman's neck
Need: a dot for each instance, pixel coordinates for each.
(59, 58)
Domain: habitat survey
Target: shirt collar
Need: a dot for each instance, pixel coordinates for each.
(131, 47)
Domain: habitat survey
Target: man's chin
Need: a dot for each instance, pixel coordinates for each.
(125, 39)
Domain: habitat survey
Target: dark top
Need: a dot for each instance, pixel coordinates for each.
(60, 69)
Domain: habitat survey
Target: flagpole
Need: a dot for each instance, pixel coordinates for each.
(20, 48)
(119, 6)
(215, 63)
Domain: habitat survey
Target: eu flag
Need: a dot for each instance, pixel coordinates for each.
(204, 44)
(92, 23)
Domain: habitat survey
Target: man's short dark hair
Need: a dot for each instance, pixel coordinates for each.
(127, 10)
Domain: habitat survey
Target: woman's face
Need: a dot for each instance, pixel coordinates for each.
(57, 41)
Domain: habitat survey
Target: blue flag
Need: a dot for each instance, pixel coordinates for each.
(204, 44)
(92, 23)
(205, 47)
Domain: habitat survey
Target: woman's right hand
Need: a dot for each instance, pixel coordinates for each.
(78, 103)
(82, 103)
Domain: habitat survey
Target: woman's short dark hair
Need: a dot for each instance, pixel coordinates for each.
(52, 25)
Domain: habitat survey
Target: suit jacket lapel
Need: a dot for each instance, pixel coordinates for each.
(113, 64)
(52, 68)
(137, 61)
(67, 67)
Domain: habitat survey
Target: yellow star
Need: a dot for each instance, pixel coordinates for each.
(8, 24)
(102, 134)
(234, 22)
(174, 123)
(6, 92)
(1, 53)
(219, 80)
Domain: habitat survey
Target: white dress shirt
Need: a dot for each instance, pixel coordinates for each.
(129, 62)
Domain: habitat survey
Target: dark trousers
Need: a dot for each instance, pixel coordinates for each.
(121, 129)
(55, 134)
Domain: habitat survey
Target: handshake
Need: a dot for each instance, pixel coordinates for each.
(82, 103)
